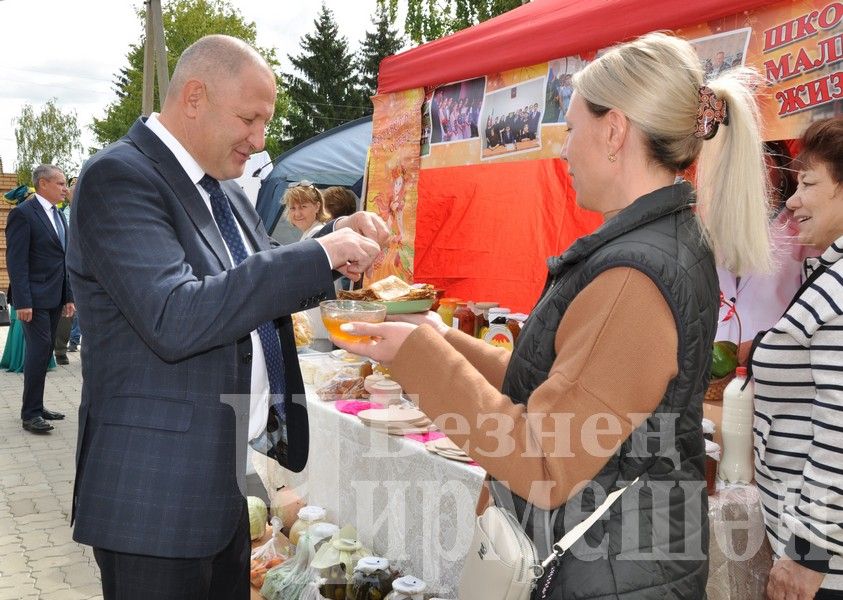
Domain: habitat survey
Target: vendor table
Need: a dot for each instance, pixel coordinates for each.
(409, 505)
(418, 509)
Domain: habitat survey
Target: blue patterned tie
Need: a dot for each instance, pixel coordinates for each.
(59, 226)
(266, 331)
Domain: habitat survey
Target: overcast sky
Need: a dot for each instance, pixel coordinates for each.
(71, 50)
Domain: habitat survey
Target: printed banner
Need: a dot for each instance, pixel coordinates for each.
(392, 188)
(796, 46)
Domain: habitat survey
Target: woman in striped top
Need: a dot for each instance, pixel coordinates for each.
(798, 370)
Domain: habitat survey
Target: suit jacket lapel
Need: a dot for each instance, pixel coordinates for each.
(185, 190)
(39, 211)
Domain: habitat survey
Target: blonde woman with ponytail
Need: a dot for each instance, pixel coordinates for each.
(606, 381)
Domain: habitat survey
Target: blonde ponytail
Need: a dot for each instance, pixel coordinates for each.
(732, 183)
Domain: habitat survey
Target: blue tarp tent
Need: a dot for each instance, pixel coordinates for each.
(335, 157)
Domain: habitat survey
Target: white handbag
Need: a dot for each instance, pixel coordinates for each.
(502, 562)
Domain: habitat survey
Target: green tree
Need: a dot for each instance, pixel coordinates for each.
(384, 41)
(185, 21)
(432, 19)
(46, 137)
(325, 92)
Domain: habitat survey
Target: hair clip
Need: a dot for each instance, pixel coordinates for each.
(711, 114)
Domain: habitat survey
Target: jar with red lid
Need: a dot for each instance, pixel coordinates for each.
(464, 318)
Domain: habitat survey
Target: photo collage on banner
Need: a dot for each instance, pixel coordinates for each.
(453, 112)
(512, 117)
(722, 51)
(559, 88)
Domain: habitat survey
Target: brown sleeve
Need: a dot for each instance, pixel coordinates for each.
(616, 352)
(490, 361)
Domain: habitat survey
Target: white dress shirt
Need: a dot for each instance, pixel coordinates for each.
(259, 397)
(48, 208)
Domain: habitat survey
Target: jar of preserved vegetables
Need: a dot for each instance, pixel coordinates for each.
(372, 579)
(407, 588)
(481, 317)
(464, 318)
(307, 516)
(515, 323)
(446, 309)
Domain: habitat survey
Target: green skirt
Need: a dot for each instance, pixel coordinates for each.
(15, 350)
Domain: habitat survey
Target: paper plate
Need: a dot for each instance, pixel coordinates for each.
(393, 414)
(463, 458)
(446, 444)
(405, 307)
(410, 431)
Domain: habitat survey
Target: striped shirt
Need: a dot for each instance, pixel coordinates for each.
(798, 424)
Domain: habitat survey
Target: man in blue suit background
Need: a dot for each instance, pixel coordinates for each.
(36, 238)
(185, 302)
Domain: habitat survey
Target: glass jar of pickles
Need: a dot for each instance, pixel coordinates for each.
(372, 580)
(307, 516)
(407, 588)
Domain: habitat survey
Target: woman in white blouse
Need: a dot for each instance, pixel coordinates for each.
(305, 208)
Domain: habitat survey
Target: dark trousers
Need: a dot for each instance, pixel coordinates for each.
(63, 335)
(40, 336)
(223, 576)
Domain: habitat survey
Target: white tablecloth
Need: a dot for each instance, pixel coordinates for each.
(417, 508)
(408, 505)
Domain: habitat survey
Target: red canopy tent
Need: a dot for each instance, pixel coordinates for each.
(483, 226)
(544, 30)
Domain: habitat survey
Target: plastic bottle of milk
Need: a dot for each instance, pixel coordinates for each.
(736, 465)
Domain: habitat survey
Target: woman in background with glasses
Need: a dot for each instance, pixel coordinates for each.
(305, 208)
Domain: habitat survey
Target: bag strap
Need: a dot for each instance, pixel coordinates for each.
(568, 540)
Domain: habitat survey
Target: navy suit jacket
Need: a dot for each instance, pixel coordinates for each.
(167, 351)
(35, 258)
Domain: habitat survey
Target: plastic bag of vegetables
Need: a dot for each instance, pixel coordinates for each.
(295, 579)
(271, 554)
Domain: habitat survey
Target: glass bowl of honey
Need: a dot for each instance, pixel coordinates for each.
(337, 312)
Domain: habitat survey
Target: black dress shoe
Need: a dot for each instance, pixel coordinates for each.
(62, 360)
(37, 425)
(51, 415)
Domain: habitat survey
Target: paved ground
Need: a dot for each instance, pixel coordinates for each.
(38, 558)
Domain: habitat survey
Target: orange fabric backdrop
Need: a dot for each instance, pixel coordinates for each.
(483, 232)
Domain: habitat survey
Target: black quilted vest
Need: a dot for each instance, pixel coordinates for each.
(654, 541)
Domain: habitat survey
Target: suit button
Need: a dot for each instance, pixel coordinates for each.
(247, 358)
(323, 296)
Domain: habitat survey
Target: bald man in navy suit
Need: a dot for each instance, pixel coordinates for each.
(189, 348)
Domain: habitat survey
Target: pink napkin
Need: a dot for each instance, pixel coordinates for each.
(352, 407)
(425, 437)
